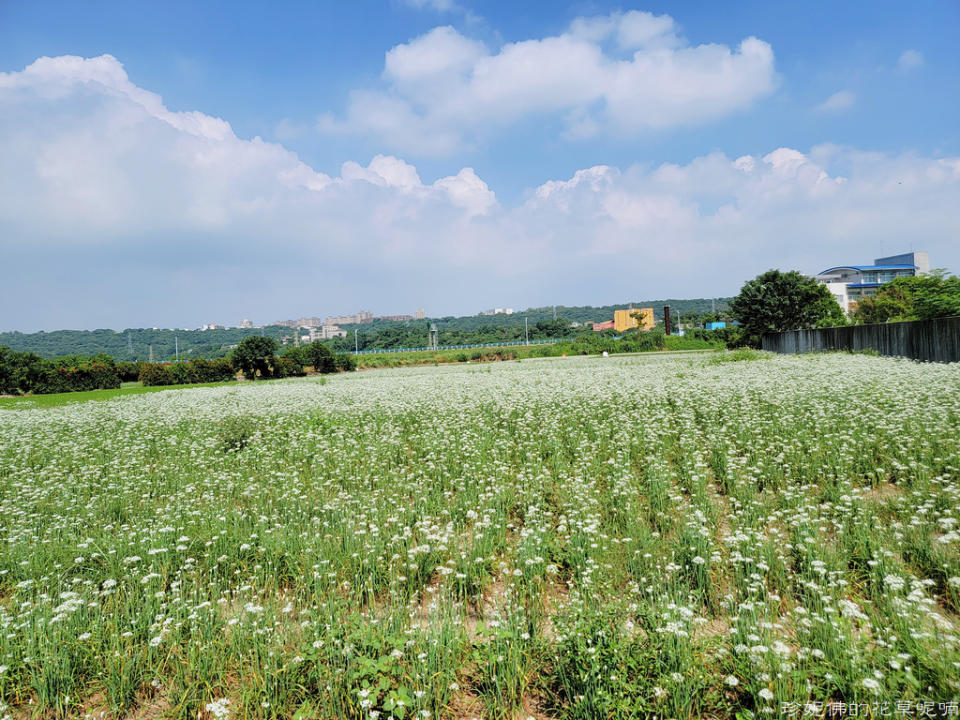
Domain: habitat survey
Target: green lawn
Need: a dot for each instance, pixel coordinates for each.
(57, 399)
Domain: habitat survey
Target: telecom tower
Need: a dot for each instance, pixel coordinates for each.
(434, 336)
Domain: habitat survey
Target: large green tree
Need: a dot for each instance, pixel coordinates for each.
(776, 301)
(254, 355)
(320, 357)
(912, 298)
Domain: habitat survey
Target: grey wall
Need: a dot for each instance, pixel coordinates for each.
(928, 340)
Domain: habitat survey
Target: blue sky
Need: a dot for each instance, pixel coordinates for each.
(454, 156)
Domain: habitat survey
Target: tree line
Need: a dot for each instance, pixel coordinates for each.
(148, 344)
(256, 357)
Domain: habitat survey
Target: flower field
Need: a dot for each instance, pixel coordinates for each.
(565, 538)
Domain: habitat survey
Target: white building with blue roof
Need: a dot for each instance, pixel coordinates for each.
(850, 283)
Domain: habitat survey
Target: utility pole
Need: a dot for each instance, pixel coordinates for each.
(526, 332)
(176, 345)
(356, 343)
(554, 313)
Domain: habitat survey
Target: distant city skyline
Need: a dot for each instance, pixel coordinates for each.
(159, 167)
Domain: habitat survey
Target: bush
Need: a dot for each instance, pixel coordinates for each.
(197, 370)
(29, 373)
(345, 362)
(282, 367)
(179, 373)
(321, 358)
(153, 375)
(221, 370)
(93, 376)
(20, 372)
(299, 355)
(200, 370)
(128, 371)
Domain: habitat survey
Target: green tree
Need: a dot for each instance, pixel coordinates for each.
(923, 297)
(321, 357)
(776, 301)
(551, 328)
(255, 354)
(7, 386)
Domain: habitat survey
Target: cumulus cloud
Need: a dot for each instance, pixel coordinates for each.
(740, 216)
(111, 203)
(839, 101)
(910, 60)
(624, 72)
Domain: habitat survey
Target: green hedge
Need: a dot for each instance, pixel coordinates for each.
(197, 370)
(94, 376)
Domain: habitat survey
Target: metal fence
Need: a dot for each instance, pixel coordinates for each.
(927, 340)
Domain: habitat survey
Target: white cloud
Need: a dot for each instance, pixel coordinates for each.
(910, 60)
(839, 101)
(783, 209)
(97, 174)
(443, 90)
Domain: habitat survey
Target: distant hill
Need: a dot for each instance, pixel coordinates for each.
(135, 343)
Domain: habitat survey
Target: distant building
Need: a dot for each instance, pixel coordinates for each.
(397, 318)
(210, 326)
(325, 332)
(609, 325)
(246, 323)
(364, 316)
(419, 314)
(498, 311)
(715, 325)
(626, 319)
(849, 283)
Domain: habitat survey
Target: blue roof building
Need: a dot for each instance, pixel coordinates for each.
(850, 283)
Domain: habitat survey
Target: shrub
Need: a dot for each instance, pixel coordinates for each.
(20, 372)
(282, 367)
(201, 370)
(179, 373)
(152, 375)
(345, 362)
(321, 358)
(128, 371)
(197, 370)
(222, 370)
(93, 376)
(299, 355)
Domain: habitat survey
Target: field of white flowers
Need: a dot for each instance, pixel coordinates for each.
(569, 538)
